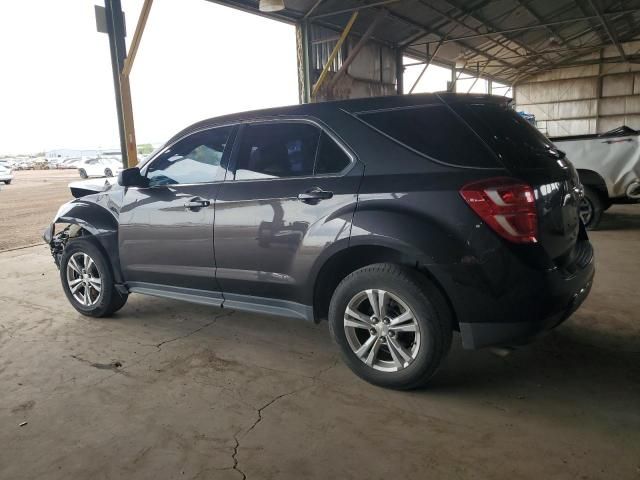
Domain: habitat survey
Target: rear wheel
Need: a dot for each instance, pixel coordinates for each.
(591, 208)
(7, 182)
(392, 325)
(83, 173)
(87, 279)
(108, 172)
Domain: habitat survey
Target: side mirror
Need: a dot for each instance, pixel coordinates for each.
(131, 177)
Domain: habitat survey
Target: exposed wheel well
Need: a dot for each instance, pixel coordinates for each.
(351, 259)
(592, 179)
(75, 230)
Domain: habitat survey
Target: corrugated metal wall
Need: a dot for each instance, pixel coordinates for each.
(372, 73)
(584, 99)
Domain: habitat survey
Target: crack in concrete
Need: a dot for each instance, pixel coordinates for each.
(199, 329)
(259, 411)
(234, 456)
(115, 365)
(238, 436)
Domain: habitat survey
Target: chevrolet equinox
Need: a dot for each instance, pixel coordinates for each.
(398, 219)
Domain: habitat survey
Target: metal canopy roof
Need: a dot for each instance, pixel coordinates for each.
(501, 39)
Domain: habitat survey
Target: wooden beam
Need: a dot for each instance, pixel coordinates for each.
(127, 116)
(334, 54)
(356, 50)
(137, 36)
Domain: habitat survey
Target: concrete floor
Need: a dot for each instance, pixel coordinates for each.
(172, 390)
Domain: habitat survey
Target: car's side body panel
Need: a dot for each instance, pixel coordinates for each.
(162, 242)
(267, 238)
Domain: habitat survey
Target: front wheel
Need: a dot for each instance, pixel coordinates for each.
(83, 173)
(108, 172)
(392, 325)
(7, 182)
(87, 280)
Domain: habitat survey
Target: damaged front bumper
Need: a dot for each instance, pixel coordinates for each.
(58, 241)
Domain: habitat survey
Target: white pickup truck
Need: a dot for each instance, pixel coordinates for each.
(609, 168)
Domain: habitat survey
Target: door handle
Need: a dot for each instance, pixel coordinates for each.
(315, 194)
(192, 204)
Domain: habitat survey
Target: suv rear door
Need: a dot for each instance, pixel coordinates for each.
(166, 229)
(532, 157)
(292, 192)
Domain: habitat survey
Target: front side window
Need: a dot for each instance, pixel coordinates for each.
(277, 150)
(195, 159)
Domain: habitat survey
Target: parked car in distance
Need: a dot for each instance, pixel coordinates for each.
(399, 219)
(9, 163)
(6, 175)
(99, 167)
(609, 169)
(70, 163)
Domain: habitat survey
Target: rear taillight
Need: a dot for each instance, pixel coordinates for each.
(506, 205)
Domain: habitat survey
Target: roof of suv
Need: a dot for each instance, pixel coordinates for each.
(350, 106)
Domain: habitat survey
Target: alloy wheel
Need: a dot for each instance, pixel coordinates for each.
(382, 330)
(83, 279)
(585, 210)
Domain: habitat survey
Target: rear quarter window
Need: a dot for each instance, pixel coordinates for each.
(518, 143)
(434, 132)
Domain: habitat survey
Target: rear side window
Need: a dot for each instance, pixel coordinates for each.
(517, 142)
(277, 150)
(287, 149)
(331, 158)
(433, 131)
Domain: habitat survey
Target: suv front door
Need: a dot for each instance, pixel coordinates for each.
(293, 192)
(166, 230)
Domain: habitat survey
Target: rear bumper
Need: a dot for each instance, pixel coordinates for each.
(486, 334)
(511, 295)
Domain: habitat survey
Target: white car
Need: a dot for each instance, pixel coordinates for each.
(609, 169)
(99, 167)
(6, 175)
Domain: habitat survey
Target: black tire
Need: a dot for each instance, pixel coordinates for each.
(83, 173)
(108, 172)
(431, 313)
(7, 182)
(109, 300)
(592, 202)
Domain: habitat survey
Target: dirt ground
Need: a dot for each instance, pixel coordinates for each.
(29, 203)
(168, 390)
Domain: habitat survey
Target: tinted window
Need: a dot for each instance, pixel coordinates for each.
(277, 150)
(331, 158)
(435, 132)
(513, 138)
(195, 159)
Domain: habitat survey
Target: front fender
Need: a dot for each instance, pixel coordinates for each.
(92, 217)
(95, 219)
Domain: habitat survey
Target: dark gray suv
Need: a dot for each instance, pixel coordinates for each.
(398, 219)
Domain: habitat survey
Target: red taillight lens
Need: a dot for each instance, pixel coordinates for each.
(506, 205)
